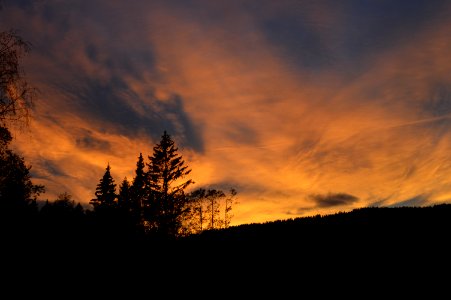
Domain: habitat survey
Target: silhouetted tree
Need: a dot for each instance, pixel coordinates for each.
(105, 192)
(79, 210)
(62, 218)
(206, 208)
(124, 197)
(64, 197)
(129, 214)
(15, 93)
(213, 198)
(196, 220)
(230, 200)
(167, 200)
(138, 192)
(17, 192)
(63, 207)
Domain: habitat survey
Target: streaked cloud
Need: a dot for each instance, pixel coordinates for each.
(279, 99)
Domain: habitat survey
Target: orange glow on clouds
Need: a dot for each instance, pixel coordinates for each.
(277, 133)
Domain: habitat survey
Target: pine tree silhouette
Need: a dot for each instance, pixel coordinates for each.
(138, 193)
(167, 201)
(105, 192)
(124, 197)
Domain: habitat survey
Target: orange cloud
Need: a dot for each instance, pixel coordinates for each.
(377, 133)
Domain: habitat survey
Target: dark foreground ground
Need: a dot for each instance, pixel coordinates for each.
(375, 232)
(371, 248)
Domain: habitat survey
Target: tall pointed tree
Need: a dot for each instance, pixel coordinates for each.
(128, 215)
(138, 191)
(105, 192)
(167, 199)
(124, 196)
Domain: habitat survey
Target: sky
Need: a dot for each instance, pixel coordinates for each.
(304, 107)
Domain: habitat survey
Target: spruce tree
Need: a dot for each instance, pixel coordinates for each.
(138, 191)
(105, 192)
(128, 215)
(124, 197)
(167, 198)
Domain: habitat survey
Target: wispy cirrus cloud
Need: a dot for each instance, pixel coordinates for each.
(281, 100)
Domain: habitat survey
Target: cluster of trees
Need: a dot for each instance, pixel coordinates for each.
(156, 201)
(17, 192)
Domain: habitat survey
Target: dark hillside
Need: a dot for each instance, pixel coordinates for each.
(402, 228)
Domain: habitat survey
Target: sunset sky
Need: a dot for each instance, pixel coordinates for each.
(304, 107)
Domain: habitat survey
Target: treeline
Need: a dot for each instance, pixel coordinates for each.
(154, 205)
(366, 228)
